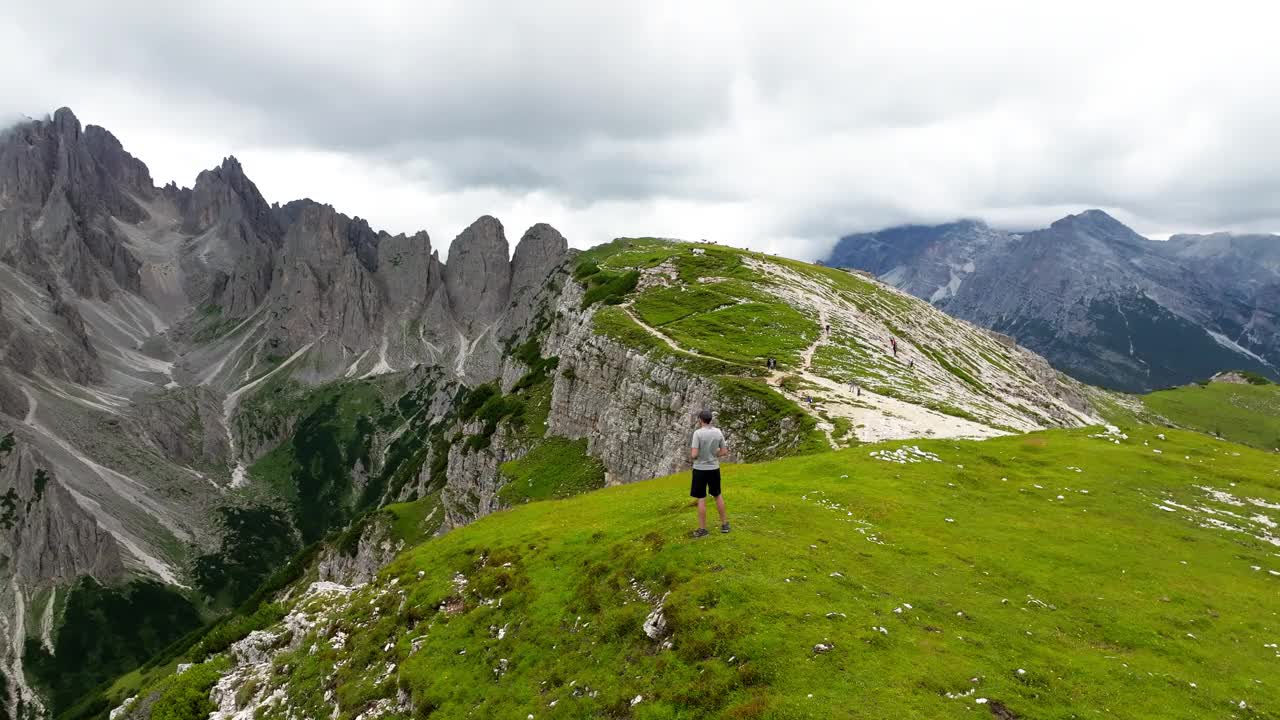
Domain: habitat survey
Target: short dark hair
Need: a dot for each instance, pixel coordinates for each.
(705, 416)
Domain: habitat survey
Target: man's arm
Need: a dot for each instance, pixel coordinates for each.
(724, 448)
(693, 448)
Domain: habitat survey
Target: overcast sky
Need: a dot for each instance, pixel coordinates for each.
(778, 126)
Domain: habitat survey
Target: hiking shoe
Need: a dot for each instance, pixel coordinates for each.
(724, 528)
(700, 532)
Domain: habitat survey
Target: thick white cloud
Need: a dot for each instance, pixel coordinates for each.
(774, 125)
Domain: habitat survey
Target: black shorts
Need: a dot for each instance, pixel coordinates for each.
(704, 480)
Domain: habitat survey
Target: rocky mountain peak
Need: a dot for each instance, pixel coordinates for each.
(478, 274)
(226, 195)
(1097, 224)
(540, 249)
(118, 164)
(66, 122)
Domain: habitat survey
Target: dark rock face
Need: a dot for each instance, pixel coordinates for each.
(1099, 300)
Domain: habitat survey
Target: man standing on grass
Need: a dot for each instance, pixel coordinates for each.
(705, 451)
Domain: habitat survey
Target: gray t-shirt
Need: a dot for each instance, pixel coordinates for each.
(707, 441)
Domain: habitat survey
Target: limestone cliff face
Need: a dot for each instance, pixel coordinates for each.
(475, 477)
(62, 185)
(186, 425)
(46, 540)
(324, 291)
(478, 274)
(45, 534)
(239, 237)
(540, 251)
(636, 413)
(375, 548)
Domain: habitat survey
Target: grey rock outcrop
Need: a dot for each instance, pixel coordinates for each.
(186, 425)
(353, 566)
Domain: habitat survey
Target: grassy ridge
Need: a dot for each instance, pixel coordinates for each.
(1035, 573)
(1248, 414)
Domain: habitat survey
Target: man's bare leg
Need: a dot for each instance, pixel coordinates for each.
(702, 513)
(720, 506)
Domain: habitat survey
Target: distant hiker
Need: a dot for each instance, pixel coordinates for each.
(826, 328)
(911, 363)
(705, 451)
(894, 342)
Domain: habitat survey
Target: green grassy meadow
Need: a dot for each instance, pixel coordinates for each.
(1053, 575)
(1248, 414)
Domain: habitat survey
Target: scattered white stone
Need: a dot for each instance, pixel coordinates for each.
(821, 648)
(636, 700)
(1021, 671)
(950, 520)
(836, 575)
(655, 625)
(905, 455)
(981, 701)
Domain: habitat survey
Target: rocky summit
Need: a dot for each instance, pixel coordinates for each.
(264, 460)
(1098, 300)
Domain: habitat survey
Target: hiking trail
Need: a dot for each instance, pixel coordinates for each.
(872, 417)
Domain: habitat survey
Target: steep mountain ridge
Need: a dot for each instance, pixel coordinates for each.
(1099, 300)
